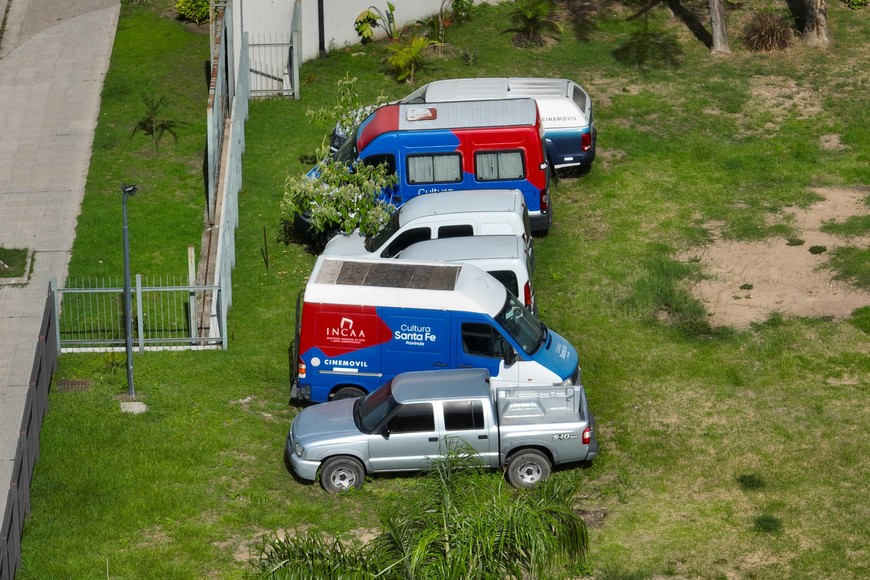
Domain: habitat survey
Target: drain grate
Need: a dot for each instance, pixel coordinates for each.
(73, 384)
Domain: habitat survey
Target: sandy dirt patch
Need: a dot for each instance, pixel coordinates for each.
(785, 279)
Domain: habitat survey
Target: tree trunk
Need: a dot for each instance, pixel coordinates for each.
(816, 28)
(720, 32)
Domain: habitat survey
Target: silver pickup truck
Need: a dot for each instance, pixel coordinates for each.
(416, 418)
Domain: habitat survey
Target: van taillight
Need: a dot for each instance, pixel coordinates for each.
(586, 141)
(587, 435)
(527, 294)
(545, 201)
(300, 369)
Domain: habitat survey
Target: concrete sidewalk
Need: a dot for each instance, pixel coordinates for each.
(54, 58)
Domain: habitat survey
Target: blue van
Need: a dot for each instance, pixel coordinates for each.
(477, 145)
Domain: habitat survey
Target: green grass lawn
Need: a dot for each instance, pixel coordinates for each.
(725, 453)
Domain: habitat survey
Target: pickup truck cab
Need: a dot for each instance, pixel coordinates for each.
(418, 417)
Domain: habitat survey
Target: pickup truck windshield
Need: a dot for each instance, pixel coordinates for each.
(371, 410)
(529, 332)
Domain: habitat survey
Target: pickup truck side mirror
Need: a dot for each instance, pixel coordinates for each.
(385, 432)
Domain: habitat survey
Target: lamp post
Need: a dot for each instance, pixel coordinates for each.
(128, 295)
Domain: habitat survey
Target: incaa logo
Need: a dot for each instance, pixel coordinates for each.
(345, 329)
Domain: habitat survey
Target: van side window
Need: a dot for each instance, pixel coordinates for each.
(481, 339)
(445, 168)
(499, 165)
(508, 280)
(406, 239)
(463, 415)
(460, 231)
(413, 418)
(381, 158)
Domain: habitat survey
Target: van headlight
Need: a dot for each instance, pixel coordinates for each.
(298, 450)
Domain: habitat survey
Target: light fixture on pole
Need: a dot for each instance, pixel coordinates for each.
(128, 295)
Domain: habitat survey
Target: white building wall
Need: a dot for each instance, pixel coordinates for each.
(275, 17)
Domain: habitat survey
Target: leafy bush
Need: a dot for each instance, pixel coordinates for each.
(193, 10)
(340, 197)
(767, 31)
(856, 4)
(531, 21)
(371, 18)
(408, 58)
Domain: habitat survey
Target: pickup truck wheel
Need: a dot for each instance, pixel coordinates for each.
(527, 468)
(348, 393)
(341, 474)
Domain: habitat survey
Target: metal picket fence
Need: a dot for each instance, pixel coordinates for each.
(168, 314)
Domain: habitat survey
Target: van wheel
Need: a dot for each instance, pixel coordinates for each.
(348, 393)
(341, 474)
(527, 468)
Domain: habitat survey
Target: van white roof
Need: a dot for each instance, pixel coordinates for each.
(462, 201)
(495, 88)
(555, 97)
(430, 286)
(472, 248)
(457, 114)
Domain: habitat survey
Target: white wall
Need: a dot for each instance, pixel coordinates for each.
(274, 17)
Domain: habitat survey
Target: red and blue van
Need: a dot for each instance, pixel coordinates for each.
(467, 145)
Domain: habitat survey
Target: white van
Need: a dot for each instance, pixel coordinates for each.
(444, 214)
(505, 258)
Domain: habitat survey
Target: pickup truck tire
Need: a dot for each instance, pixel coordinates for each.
(341, 474)
(527, 468)
(348, 393)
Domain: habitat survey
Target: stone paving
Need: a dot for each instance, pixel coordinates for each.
(53, 58)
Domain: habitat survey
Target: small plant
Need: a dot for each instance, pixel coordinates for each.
(469, 56)
(154, 123)
(746, 286)
(794, 242)
(193, 10)
(855, 4)
(767, 31)
(371, 18)
(406, 59)
(531, 21)
(816, 250)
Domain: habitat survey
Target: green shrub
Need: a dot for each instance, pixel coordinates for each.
(767, 31)
(193, 10)
(856, 4)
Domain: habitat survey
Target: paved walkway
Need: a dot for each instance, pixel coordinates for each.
(53, 57)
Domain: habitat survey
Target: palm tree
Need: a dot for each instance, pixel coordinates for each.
(461, 522)
(531, 20)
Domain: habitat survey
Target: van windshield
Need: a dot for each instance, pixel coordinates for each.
(529, 332)
(371, 410)
(347, 153)
(373, 242)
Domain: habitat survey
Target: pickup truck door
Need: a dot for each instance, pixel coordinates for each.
(483, 346)
(410, 441)
(471, 423)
